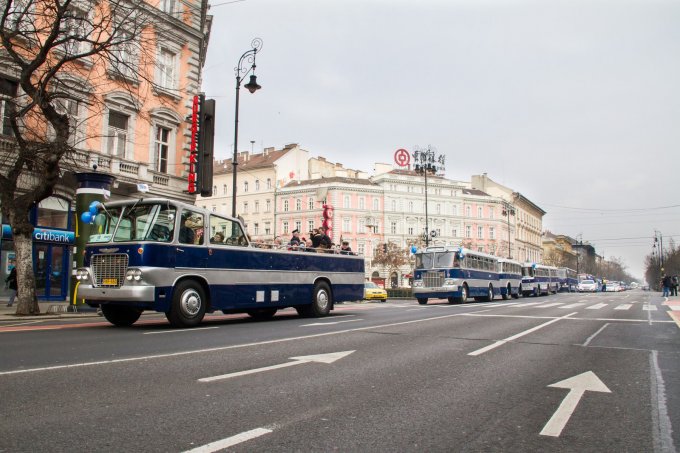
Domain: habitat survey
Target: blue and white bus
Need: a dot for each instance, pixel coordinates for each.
(536, 280)
(509, 278)
(456, 274)
(175, 258)
(567, 279)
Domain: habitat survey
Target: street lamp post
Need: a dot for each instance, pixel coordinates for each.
(508, 211)
(427, 161)
(252, 86)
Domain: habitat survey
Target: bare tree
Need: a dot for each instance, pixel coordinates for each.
(390, 256)
(45, 43)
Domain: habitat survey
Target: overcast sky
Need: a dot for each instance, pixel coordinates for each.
(575, 104)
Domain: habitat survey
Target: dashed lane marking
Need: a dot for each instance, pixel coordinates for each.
(230, 441)
(553, 304)
(596, 306)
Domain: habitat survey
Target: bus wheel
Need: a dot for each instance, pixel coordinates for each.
(120, 316)
(489, 294)
(519, 293)
(188, 305)
(453, 300)
(463, 295)
(422, 301)
(262, 314)
(322, 300)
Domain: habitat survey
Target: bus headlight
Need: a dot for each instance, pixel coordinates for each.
(82, 274)
(418, 283)
(449, 282)
(133, 274)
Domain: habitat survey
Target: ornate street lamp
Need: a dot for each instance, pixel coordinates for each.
(252, 86)
(508, 211)
(427, 161)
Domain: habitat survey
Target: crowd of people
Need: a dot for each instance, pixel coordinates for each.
(669, 285)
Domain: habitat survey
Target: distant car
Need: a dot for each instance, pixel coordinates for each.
(374, 292)
(587, 286)
(614, 287)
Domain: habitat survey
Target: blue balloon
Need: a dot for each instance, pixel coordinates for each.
(95, 204)
(86, 217)
(414, 249)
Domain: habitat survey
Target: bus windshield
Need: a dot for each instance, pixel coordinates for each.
(143, 222)
(437, 260)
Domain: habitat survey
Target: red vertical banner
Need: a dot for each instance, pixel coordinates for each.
(193, 154)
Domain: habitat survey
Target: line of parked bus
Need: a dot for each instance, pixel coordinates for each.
(458, 274)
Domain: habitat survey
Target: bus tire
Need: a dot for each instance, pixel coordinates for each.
(489, 294)
(518, 294)
(262, 314)
(453, 300)
(120, 316)
(322, 301)
(422, 301)
(463, 295)
(507, 294)
(188, 304)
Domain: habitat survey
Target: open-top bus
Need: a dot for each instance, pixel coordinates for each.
(454, 273)
(167, 256)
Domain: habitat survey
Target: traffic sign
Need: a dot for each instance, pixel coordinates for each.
(402, 157)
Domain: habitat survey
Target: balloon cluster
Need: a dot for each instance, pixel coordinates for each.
(89, 215)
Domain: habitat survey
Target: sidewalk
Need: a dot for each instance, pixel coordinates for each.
(48, 310)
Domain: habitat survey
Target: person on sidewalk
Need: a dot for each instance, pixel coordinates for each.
(674, 285)
(11, 282)
(666, 283)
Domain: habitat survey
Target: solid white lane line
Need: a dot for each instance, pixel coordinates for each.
(514, 337)
(230, 441)
(332, 323)
(596, 306)
(180, 330)
(590, 338)
(623, 307)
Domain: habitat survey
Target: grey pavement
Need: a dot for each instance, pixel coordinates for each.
(48, 310)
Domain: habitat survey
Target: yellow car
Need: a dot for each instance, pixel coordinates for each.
(374, 292)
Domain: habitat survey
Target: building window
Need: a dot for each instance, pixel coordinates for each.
(410, 206)
(468, 231)
(298, 205)
(256, 207)
(454, 233)
(362, 226)
(346, 227)
(224, 189)
(438, 208)
(393, 227)
(455, 210)
(123, 58)
(345, 202)
(310, 203)
(267, 228)
(117, 134)
(71, 108)
(361, 248)
(480, 212)
(285, 205)
(411, 230)
(161, 146)
(8, 91)
(245, 186)
(491, 213)
(284, 227)
(268, 206)
(468, 211)
(257, 185)
(376, 204)
(480, 232)
(245, 207)
(256, 228)
(362, 203)
(269, 183)
(53, 212)
(394, 205)
(298, 225)
(310, 225)
(492, 232)
(167, 69)
(168, 6)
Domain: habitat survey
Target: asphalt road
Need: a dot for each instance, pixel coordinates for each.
(567, 372)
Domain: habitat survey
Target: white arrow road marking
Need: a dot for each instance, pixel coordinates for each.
(330, 323)
(577, 386)
(596, 306)
(230, 441)
(319, 358)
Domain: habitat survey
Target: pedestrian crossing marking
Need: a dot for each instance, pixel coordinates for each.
(553, 304)
(596, 306)
(528, 304)
(578, 304)
(649, 308)
(623, 307)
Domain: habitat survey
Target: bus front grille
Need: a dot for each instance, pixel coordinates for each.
(109, 270)
(433, 279)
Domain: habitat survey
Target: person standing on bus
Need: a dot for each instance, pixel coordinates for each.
(295, 242)
(345, 249)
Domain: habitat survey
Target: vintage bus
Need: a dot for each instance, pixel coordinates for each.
(509, 278)
(456, 274)
(537, 280)
(175, 258)
(566, 279)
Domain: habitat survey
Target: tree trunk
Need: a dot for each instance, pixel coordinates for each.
(28, 302)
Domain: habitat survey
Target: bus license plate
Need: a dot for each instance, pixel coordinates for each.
(110, 281)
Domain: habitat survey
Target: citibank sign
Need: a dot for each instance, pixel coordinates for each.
(44, 235)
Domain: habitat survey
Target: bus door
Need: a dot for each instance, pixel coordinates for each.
(191, 240)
